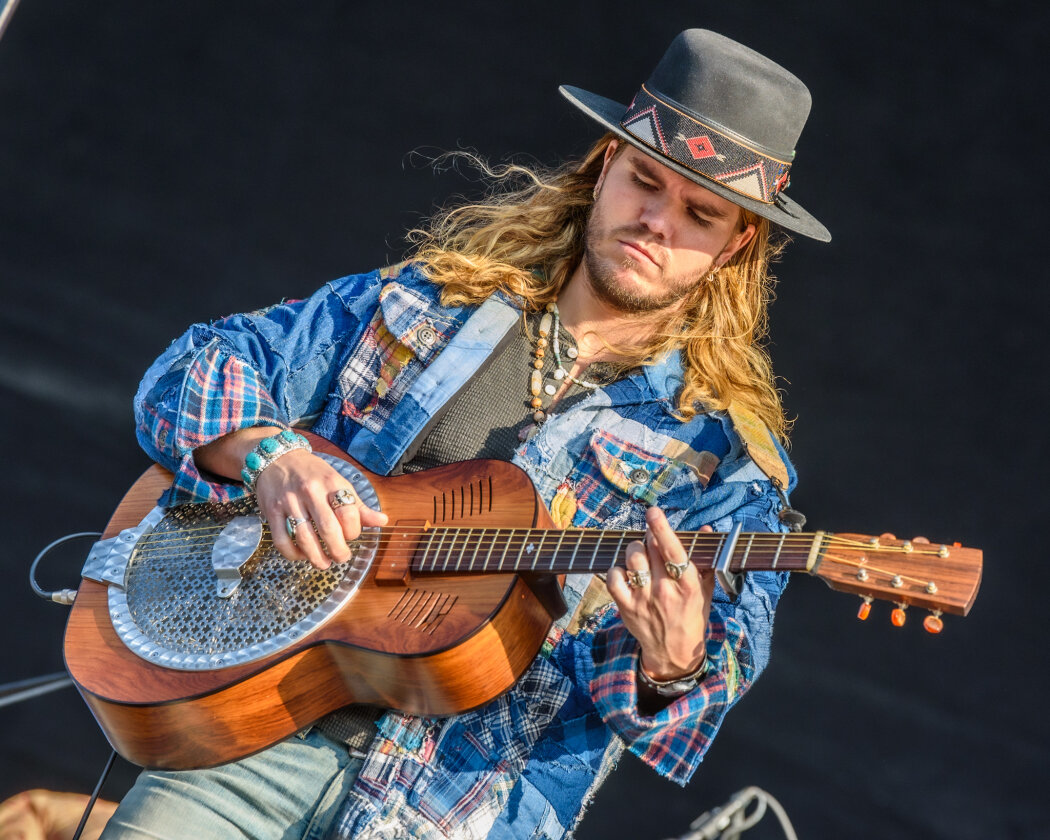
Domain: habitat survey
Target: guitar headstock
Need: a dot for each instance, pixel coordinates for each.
(933, 576)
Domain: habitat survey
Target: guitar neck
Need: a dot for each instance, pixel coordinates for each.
(503, 550)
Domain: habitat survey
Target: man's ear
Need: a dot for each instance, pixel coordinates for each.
(610, 152)
(737, 241)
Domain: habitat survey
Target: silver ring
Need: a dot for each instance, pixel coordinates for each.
(341, 498)
(676, 570)
(290, 524)
(638, 579)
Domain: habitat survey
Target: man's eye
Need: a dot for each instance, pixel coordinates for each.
(645, 185)
(700, 220)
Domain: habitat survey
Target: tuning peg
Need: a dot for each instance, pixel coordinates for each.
(897, 616)
(933, 623)
(865, 608)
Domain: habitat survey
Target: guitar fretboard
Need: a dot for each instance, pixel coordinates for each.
(481, 550)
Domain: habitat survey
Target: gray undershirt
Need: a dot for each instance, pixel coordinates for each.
(486, 418)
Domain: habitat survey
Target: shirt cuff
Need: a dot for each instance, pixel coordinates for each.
(198, 401)
(673, 740)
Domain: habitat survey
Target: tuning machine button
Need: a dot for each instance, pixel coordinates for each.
(932, 623)
(898, 616)
(865, 608)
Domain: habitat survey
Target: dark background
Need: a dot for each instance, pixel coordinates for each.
(166, 163)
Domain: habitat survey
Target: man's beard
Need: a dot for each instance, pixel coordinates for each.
(617, 295)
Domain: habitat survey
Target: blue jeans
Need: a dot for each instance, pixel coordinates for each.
(291, 790)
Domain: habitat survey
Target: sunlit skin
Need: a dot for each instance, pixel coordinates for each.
(652, 236)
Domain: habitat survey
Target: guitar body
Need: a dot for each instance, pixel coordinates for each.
(432, 645)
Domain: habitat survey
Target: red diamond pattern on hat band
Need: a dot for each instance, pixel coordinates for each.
(700, 147)
(704, 149)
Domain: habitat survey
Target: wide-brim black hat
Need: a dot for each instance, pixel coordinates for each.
(721, 115)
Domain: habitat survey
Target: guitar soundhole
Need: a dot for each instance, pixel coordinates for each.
(422, 610)
(467, 500)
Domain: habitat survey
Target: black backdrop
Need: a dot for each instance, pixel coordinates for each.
(165, 163)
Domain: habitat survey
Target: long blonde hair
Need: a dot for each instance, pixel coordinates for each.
(533, 218)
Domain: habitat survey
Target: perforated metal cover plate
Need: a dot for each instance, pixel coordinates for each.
(170, 612)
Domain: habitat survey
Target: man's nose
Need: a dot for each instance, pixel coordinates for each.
(656, 216)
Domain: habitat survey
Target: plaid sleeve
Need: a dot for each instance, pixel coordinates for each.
(674, 740)
(207, 393)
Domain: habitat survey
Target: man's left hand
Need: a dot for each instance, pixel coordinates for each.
(667, 616)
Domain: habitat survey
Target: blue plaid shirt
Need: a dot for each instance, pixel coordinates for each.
(366, 362)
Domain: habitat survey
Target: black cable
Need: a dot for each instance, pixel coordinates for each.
(59, 596)
(94, 795)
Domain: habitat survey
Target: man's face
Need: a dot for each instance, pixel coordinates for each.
(653, 234)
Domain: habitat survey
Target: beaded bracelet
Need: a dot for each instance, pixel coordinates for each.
(677, 686)
(269, 450)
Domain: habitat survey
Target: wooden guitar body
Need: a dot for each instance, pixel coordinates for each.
(433, 645)
(441, 610)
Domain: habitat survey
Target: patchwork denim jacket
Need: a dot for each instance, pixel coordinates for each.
(366, 362)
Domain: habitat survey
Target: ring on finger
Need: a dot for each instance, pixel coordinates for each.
(637, 578)
(342, 497)
(676, 570)
(290, 524)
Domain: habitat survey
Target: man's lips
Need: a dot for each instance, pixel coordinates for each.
(639, 249)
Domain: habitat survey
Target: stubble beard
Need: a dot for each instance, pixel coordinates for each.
(601, 273)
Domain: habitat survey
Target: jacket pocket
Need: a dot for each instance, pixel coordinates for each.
(376, 376)
(615, 481)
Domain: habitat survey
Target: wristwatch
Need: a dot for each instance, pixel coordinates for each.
(675, 687)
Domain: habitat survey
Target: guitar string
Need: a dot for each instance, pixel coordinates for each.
(827, 557)
(510, 547)
(411, 535)
(517, 539)
(390, 537)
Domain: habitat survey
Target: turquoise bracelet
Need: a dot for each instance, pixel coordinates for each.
(269, 450)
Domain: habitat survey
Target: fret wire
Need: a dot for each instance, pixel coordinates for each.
(594, 554)
(521, 550)
(692, 545)
(619, 547)
(539, 548)
(557, 549)
(575, 551)
(492, 545)
(458, 552)
(747, 551)
(718, 548)
(421, 551)
(780, 547)
(477, 537)
(506, 548)
(440, 547)
(430, 546)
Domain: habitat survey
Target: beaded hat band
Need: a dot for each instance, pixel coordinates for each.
(706, 150)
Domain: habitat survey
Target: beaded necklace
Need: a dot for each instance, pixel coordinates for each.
(548, 335)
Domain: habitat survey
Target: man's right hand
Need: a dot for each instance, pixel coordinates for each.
(298, 486)
(301, 486)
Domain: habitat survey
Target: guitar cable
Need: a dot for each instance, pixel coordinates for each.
(58, 596)
(730, 820)
(94, 795)
(66, 597)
